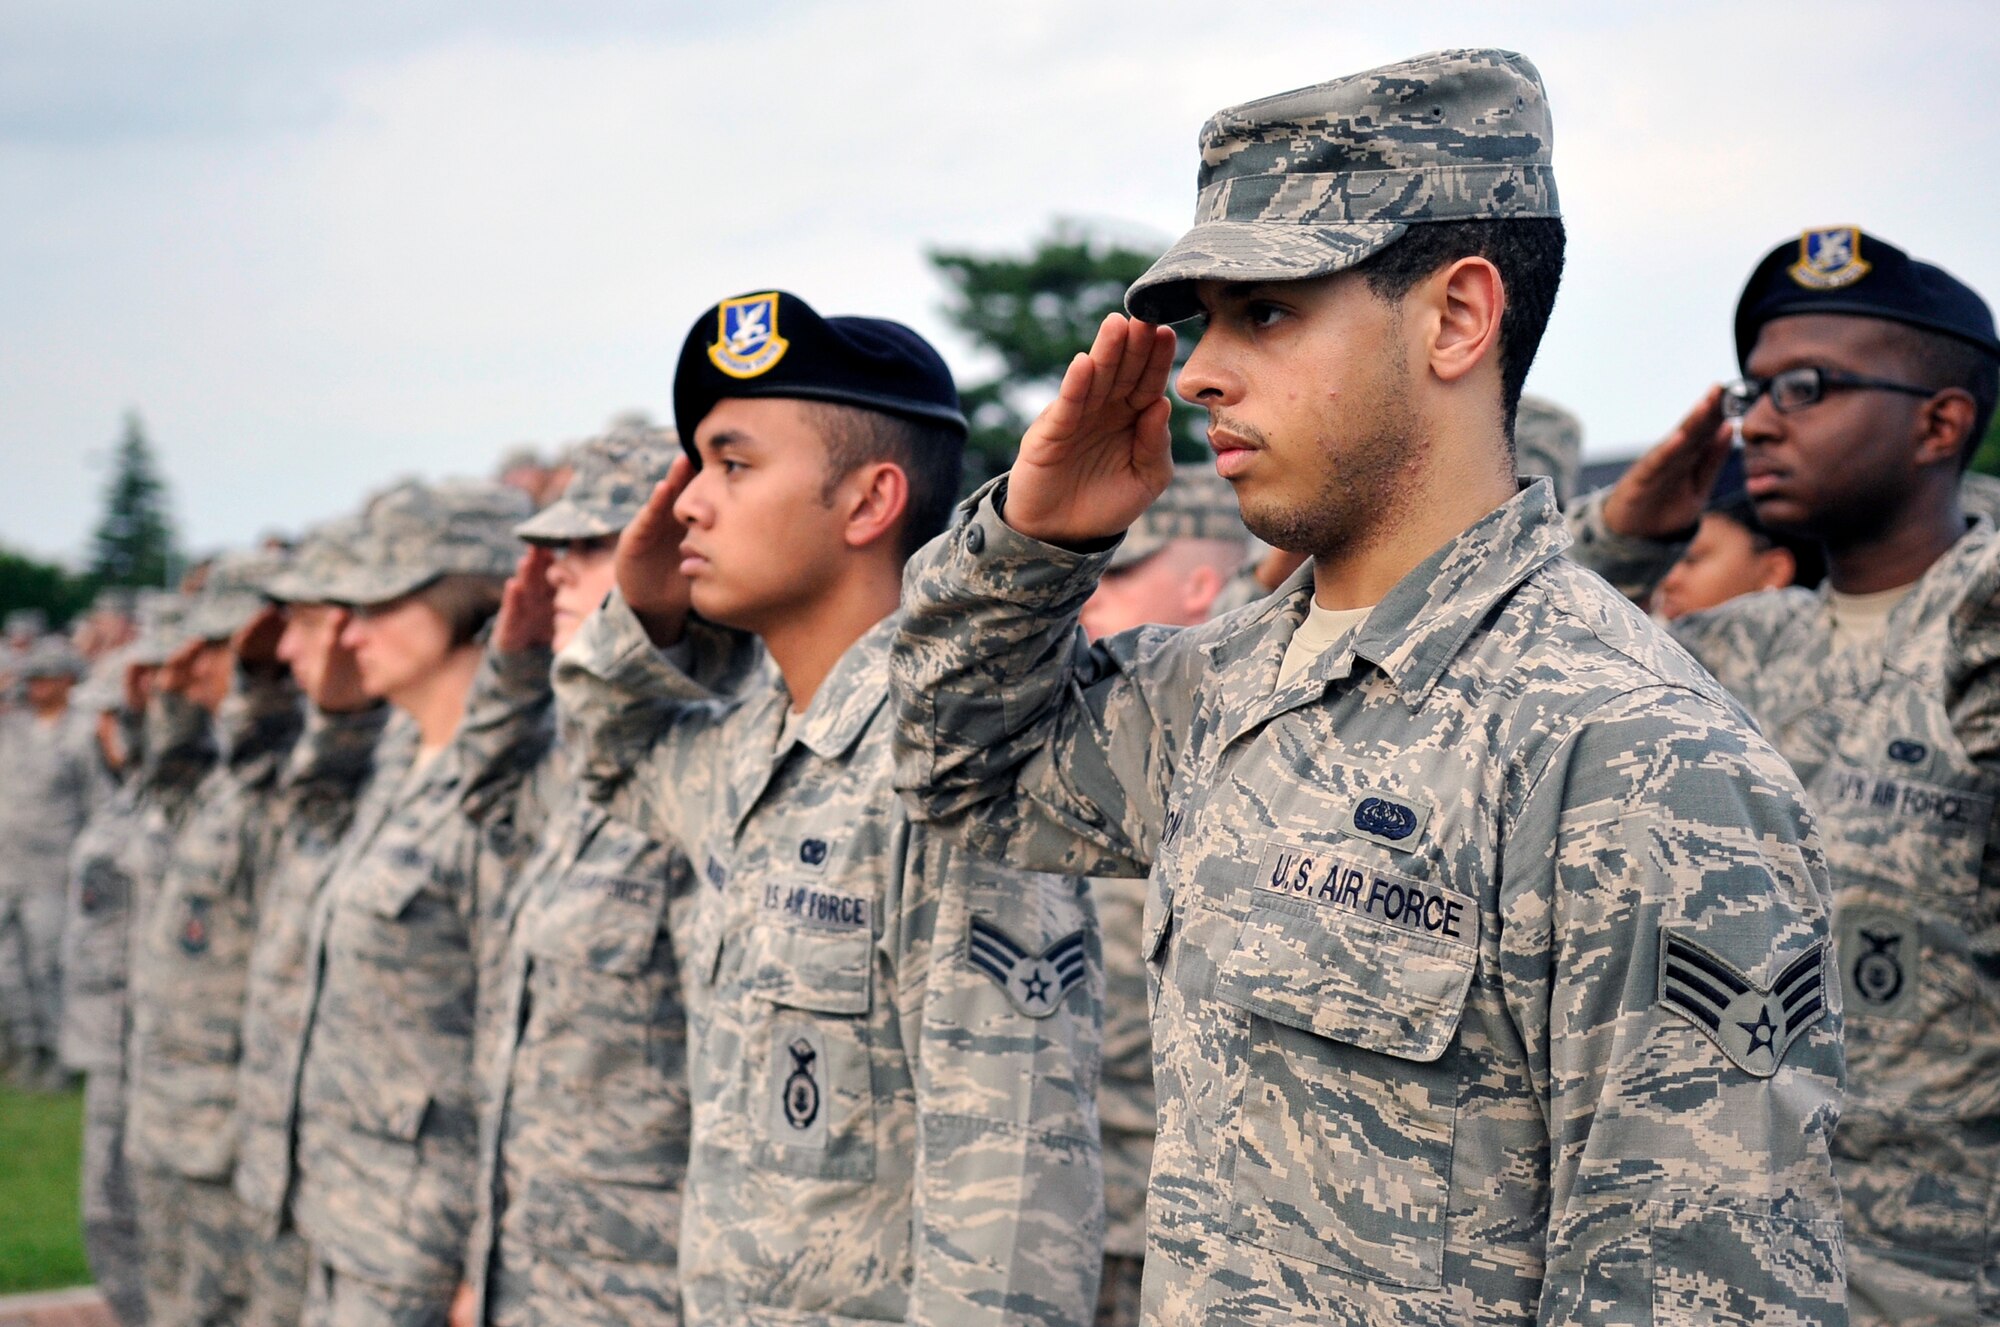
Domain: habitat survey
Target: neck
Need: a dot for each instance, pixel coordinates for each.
(809, 640)
(436, 701)
(1897, 555)
(1443, 491)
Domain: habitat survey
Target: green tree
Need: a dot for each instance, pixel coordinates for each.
(1987, 459)
(1033, 312)
(27, 582)
(134, 542)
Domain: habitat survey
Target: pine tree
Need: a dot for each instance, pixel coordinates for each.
(1034, 311)
(134, 541)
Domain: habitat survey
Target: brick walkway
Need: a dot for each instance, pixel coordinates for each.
(57, 1308)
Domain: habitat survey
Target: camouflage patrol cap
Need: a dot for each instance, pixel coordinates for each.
(103, 687)
(1198, 504)
(1311, 182)
(159, 614)
(1548, 441)
(416, 533)
(27, 622)
(614, 476)
(314, 570)
(230, 597)
(51, 656)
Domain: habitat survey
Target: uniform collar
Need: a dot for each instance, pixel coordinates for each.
(1420, 626)
(848, 698)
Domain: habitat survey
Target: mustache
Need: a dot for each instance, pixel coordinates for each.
(1219, 422)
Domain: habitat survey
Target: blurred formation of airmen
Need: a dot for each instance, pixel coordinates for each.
(892, 1046)
(1477, 997)
(1869, 378)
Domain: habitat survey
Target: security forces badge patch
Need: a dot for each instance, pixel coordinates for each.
(1753, 1025)
(1035, 983)
(1829, 259)
(1879, 953)
(748, 343)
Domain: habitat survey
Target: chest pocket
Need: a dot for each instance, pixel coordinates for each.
(1344, 1139)
(809, 1050)
(607, 914)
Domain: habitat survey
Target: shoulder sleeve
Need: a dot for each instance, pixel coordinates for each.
(1665, 953)
(1015, 734)
(1632, 565)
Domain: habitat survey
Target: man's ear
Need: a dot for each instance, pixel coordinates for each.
(875, 495)
(1944, 427)
(1776, 569)
(1464, 301)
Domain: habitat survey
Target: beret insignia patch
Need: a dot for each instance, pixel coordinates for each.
(1754, 1026)
(747, 343)
(1830, 259)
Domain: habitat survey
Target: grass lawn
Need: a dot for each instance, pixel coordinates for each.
(41, 1238)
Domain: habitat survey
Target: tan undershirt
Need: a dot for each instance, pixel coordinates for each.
(1863, 619)
(1323, 630)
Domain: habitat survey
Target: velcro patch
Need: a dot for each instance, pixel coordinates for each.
(1035, 983)
(1410, 905)
(1754, 1026)
(813, 906)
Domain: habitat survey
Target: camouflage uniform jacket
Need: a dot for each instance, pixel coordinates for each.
(1421, 933)
(1126, 1103)
(1899, 750)
(191, 957)
(50, 778)
(110, 857)
(884, 1131)
(388, 1100)
(318, 791)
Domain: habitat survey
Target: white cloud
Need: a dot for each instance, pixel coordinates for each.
(491, 233)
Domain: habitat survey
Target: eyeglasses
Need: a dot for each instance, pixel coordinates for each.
(1795, 389)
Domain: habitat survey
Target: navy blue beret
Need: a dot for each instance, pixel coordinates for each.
(1843, 269)
(774, 344)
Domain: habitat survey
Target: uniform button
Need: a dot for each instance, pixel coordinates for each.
(975, 539)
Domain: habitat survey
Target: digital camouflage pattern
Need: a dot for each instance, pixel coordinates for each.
(1308, 183)
(317, 794)
(232, 593)
(1899, 750)
(1548, 443)
(190, 961)
(1126, 1103)
(614, 476)
(415, 533)
(388, 1100)
(1198, 504)
(51, 777)
(893, 1047)
(1413, 1032)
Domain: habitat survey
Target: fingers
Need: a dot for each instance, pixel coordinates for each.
(1065, 414)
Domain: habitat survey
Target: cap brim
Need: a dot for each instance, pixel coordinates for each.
(368, 586)
(562, 521)
(1251, 251)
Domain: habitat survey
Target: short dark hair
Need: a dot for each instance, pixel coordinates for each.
(929, 452)
(467, 603)
(1937, 361)
(1528, 251)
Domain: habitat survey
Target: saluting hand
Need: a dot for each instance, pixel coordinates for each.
(1099, 455)
(527, 619)
(176, 675)
(1663, 493)
(256, 641)
(649, 559)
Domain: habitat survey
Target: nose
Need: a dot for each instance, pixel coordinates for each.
(1206, 379)
(692, 507)
(1762, 422)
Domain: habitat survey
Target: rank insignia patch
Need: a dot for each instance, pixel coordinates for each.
(1830, 259)
(1035, 983)
(1754, 1026)
(747, 342)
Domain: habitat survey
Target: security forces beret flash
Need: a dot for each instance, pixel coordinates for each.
(1845, 270)
(774, 344)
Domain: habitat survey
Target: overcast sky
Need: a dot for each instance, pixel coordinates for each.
(320, 245)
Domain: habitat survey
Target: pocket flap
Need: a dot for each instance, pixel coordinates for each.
(1349, 978)
(393, 1109)
(605, 912)
(825, 971)
(386, 888)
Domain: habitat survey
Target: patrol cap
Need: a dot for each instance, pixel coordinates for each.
(614, 475)
(774, 344)
(232, 594)
(314, 570)
(416, 533)
(27, 622)
(1198, 504)
(159, 614)
(1845, 270)
(103, 687)
(1311, 182)
(51, 656)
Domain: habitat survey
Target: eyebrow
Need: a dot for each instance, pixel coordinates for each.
(1229, 292)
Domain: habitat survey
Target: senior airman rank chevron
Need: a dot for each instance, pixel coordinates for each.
(1036, 983)
(1753, 1026)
